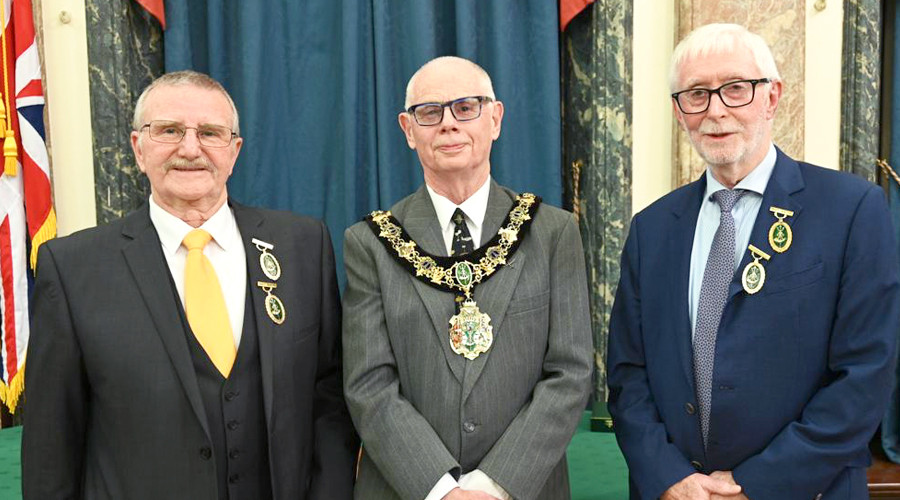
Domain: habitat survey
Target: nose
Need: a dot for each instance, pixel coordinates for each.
(448, 121)
(716, 107)
(190, 143)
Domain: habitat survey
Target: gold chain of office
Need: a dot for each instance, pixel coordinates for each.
(462, 274)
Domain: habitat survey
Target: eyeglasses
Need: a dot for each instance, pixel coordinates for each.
(168, 132)
(463, 109)
(733, 95)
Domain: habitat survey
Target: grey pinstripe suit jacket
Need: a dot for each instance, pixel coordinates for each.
(422, 410)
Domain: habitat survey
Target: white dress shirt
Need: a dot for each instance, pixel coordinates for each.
(474, 208)
(225, 251)
(744, 212)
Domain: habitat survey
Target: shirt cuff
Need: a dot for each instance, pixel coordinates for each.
(445, 485)
(477, 480)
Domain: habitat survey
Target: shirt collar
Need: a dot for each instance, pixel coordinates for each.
(474, 207)
(172, 230)
(755, 181)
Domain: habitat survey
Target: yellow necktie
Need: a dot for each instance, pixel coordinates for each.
(205, 304)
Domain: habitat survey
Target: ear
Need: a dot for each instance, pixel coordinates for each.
(774, 97)
(136, 148)
(406, 125)
(678, 115)
(235, 151)
(496, 119)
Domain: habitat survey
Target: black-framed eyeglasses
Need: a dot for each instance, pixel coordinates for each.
(463, 109)
(733, 95)
(169, 132)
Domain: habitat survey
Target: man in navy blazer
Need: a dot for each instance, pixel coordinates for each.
(804, 347)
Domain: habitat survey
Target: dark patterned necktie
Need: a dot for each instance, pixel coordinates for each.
(717, 276)
(462, 240)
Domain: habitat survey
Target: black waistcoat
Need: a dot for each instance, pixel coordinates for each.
(236, 415)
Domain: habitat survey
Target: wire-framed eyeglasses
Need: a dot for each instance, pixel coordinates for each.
(171, 132)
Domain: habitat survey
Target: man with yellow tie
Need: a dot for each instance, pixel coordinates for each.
(191, 349)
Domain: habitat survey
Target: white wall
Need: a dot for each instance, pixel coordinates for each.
(824, 36)
(69, 111)
(654, 33)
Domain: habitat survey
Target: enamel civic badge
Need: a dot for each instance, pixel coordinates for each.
(754, 276)
(780, 234)
(269, 264)
(274, 305)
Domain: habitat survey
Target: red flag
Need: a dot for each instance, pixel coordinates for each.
(24, 185)
(156, 8)
(568, 9)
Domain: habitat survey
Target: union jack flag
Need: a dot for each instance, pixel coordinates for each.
(26, 205)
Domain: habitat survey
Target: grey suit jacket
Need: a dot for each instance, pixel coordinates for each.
(114, 409)
(423, 411)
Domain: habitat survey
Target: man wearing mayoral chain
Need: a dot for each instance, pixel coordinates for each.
(190, 349)
(467, 343)
(753, 337)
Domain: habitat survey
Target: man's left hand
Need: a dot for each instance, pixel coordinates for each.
(725, 475)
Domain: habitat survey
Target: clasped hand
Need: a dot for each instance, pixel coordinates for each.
(719, 485)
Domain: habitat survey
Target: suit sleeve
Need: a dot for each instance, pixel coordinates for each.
(522, 459)
(57, 393)
(834, 429)
(654, 463)
(408, 452)
(336, 442)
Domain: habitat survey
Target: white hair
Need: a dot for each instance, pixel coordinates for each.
(187, 77)
(719, 38)
(482, 75)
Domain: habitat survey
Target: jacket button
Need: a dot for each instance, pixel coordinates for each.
(233, 454)
(205, 453)
(690, 409)
(234, 478)
(232, 425)
(230, 395)
(469, 426)
(697, 465)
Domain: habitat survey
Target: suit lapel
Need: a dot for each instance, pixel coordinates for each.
(493, 296)
(420, 221)
(145, 259)
(784, 182)
(680, 242)
(251, 225)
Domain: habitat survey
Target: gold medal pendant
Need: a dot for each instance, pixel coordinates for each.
(754, 276)
(471, 332)
(274, 305)
(269, 264)
(780, 234)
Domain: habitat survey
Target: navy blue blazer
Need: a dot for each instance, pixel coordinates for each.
(803, 368)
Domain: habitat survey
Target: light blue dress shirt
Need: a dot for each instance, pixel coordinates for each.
(744, 213)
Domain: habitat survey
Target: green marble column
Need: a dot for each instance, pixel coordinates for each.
(861, 87)
(597, 91)
(125, 53)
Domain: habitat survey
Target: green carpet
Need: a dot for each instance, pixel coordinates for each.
(596, 468)
(10, 463)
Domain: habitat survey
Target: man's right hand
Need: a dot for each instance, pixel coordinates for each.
(700, 487)
(461, 494)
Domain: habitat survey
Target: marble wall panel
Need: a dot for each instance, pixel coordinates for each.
(597, 88)
(861, 87)
(782, 23)
(125, 53)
